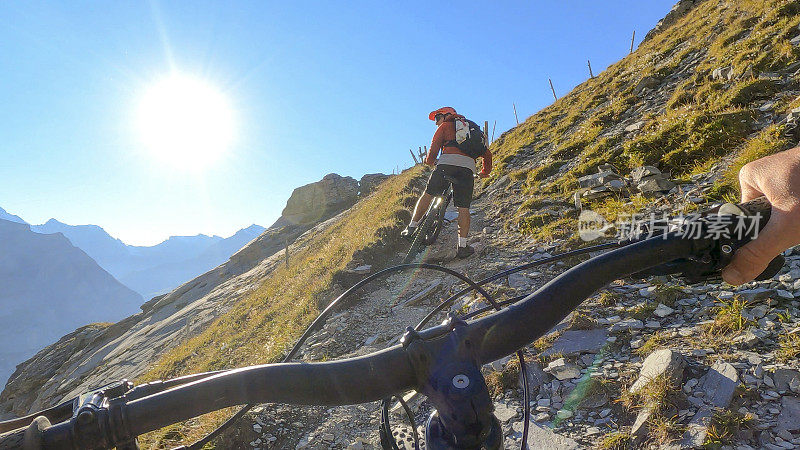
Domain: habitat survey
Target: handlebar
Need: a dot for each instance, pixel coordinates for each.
(377, 375)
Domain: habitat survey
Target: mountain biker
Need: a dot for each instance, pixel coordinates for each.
(455, 164)
(776, 177)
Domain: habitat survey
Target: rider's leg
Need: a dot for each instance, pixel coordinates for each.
(422, 206)
(463, 225)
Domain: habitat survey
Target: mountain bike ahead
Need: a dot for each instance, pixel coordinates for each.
(442, 362)
(432, 222)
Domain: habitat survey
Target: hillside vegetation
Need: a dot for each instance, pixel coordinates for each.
(265, 324)
(691, 118)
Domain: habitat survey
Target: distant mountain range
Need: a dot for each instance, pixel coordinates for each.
(153, 270)
(48, 287)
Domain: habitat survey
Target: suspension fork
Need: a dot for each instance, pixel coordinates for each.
(449, 374)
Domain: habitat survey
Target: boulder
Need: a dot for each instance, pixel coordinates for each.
(661, 362)
(719, 384)
(316, 201)
(369, 182)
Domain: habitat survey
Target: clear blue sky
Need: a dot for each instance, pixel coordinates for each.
(316, 87)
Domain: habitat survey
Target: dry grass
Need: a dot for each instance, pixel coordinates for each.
(655, 342)
(261, 327)
(704, 119)
(724, 426)
(608, 298)
(617, 440)
(788, 347)
(729, 318)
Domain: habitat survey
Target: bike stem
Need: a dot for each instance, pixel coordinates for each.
(449, 372)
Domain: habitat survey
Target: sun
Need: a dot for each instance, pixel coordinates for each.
(185, 122)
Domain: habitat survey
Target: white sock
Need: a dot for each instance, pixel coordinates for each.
(462, 241)
(414, 224)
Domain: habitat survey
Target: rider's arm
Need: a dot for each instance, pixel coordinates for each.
(436, 145)
(776, 177)
(486, 168)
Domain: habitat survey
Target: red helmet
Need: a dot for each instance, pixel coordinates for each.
(442, 110)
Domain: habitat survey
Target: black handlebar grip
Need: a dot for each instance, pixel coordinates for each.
(759, 206)
(12, 440)
(29, 438)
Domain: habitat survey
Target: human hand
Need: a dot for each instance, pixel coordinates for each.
(776, 177)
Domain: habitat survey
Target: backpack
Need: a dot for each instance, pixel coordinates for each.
(470, 139)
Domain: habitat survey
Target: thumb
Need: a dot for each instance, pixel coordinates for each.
(750, 260)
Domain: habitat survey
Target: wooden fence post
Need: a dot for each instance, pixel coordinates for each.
(515, 112)
(286, 252)
(486, 128)
(633, 39)
(493, 127)
(552, 89)
(591, 75)
(413, 156)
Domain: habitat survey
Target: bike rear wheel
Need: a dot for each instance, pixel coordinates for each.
(422, 234)
(438, 224)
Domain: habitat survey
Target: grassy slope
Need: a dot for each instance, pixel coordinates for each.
(699, 121)
(262, 327)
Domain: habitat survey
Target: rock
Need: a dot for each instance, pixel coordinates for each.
(599, 179)
(753, 295)
(679, 10)
(542, 438)
(634, 127)
(661, 362)
(719, 384)
(654, 185)
(722, 74)
(518, 281)
(369, 182)
(639, 430)
(536, 376)
(315, 201)
(500, 363)
(627, 324)
(578, 341)
(564, 414)
(503, 412)
(363, 269)
(696, 430)
(789, 418)
(642, 172)
(787, 380)
(563, 370)
(647, 82)
(759, 311)
(751, 338)
(663, 310)
(795, 41)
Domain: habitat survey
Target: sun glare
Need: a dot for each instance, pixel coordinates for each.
(185, 122)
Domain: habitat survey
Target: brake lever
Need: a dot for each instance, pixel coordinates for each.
(733, 227)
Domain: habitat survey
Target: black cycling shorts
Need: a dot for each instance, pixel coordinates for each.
(462, 183)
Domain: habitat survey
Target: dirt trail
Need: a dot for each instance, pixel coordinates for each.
(376, 320)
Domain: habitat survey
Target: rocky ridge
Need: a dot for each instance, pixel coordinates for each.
(94, 355)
